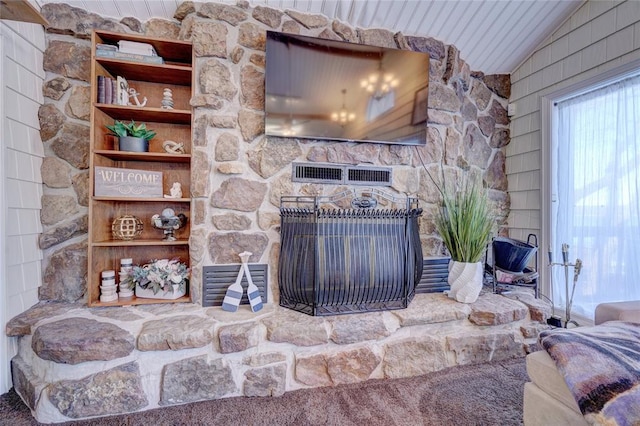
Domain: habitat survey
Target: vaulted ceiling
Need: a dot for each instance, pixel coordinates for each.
(493, 36)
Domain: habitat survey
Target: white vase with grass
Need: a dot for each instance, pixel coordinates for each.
(464, 220)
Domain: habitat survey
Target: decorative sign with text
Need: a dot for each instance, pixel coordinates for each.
(114, 182)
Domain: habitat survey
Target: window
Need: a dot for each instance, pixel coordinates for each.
(596, 194)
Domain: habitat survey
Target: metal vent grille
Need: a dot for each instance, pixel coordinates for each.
(341, 174)
(317, 173)
(369, 176)
(435, 272)
(217, 278)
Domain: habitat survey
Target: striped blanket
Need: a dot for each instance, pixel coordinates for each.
(601, 366)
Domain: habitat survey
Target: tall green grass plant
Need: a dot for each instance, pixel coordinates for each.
(465, 220)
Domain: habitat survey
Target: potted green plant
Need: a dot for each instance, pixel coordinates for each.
(159, 279)
(132, 136)
(465, 220)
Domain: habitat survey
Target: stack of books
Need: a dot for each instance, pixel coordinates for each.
(113, 90)
(129, 51)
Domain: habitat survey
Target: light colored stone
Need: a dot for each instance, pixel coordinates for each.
(252, 36)
(55, 88)
(238, 337)
(435, 116)
(499, 113)
(197, 244)
(236, 54)
(487, 124)
(444, 98)
(227, 147)
(433, 47)
(56, 208)
(352, 366)
(239, 194)
(55, 173)
(495, 175)
(308, 20)
(432, 308)
(251, 124)
(484, 346)
(76, 340)
(215, 78)
(268, 16)
(493, 309)
(262, 359)
(395, 155)
(406, 180)
(208, 101)
(162, 28)
(196, 379)
(64, 19)
(179, 332)
(79, 103)
(225, 247)
(231, 168)
(133, 24)
(80, 184)
(184, 9)
(223, 12)
(252, 88)
(353, 154)
(291, 27)
(115, 391)
(231, 222)
(68, 59)
(51, 120)
(273, 155)
(266, 381)
(199, 212)
(267, 220)
(500, 138)
(296, 328)
(63, 232)
(344, 31)
(476, 149)
(327, 34)
(539, 310)
(116, 312)
(209, 39)
(281, 186)
(26, 383)
(258, 60)
(413, 357)
(480, 94)
(72, 145)
(200, 174)
(359, 328)
(223, 121)
(312, 371)
(23, 323)
(377, 37)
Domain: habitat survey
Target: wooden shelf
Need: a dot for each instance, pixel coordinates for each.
(143, 156)
(126, 113)
(139, 301)
(139, 243)
(150, 80)
(21, 10)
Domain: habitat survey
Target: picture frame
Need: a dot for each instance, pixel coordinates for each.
(420, 106)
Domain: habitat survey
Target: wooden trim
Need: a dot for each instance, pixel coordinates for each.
(21, 10)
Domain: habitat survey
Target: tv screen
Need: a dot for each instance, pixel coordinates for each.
(326, 89)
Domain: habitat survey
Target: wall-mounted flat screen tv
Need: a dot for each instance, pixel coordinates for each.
(326, 89)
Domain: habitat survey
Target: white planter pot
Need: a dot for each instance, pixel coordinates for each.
(147, 293)
(465, 280)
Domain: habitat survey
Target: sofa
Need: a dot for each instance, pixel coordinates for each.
(547, 398)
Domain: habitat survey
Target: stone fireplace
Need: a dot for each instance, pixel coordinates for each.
(238, 178)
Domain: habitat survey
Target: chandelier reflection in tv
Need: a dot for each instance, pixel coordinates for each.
(343, 116)
(379, 83)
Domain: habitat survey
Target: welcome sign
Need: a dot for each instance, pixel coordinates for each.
(114, 182)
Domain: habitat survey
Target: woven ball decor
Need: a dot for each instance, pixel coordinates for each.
(126, 227)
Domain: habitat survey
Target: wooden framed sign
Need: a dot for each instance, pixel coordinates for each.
(115, 182)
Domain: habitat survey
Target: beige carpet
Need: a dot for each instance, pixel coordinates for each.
(483, 394)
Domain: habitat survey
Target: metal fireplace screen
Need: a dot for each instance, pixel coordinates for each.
(336, 260)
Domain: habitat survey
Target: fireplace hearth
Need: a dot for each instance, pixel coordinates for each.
(345, 260)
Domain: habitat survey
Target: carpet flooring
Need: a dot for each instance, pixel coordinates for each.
(482, 394)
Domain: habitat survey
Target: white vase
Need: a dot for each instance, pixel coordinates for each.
(147, 293)
(465, 280)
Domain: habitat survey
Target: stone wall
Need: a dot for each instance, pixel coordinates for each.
(75, 362)
(238, 174)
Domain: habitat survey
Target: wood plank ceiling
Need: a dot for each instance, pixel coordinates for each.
(493, 36)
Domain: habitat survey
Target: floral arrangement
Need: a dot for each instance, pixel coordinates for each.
(159, 275)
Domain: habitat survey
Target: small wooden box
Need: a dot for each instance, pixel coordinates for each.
(116, 182)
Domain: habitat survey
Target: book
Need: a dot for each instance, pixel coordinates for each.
(101, 90)
(108, 85)
(129, 56)
(114, 83)
(136, 47)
